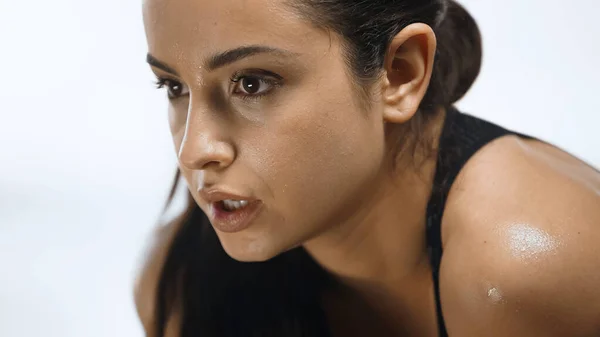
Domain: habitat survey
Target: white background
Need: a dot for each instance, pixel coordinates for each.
(86, 158)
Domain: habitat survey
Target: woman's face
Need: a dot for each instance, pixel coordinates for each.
(263, 109)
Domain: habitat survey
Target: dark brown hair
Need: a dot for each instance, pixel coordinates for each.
(368, 27)
(221, 297)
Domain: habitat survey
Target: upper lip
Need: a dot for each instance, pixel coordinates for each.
(217, 195)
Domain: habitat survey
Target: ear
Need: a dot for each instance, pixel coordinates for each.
(408, 66)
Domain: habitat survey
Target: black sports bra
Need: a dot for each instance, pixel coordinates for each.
(462, 135)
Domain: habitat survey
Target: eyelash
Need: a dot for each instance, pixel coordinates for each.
(267, 77)
(162, 82)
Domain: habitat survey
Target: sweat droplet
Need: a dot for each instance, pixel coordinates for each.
(494, 295)
(528, 242)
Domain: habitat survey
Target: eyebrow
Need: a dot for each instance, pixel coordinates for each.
(233, 55)
(222, 59)
(153, 61)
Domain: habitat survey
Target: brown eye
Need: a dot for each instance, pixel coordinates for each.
(175, 89)
(252, 86)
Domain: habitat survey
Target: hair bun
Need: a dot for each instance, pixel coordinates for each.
(459, 51)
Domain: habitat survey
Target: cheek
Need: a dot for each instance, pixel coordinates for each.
(177, 115)
(320, 158)
(177, 122)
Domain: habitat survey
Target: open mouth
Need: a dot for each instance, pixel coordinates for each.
(232, 205)
(234, 215)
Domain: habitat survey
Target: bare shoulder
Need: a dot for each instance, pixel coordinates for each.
(149, 273)
(522, 244)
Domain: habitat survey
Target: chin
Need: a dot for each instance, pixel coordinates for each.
(245, 249)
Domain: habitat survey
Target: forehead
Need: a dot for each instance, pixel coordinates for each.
(189, 29)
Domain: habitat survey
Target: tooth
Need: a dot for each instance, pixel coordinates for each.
(232, 205)
(229, 204)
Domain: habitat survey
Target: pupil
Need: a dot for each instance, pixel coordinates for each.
(175, 89)
(251, 85)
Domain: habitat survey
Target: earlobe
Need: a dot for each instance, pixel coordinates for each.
(408, 66)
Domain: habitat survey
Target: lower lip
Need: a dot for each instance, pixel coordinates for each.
(236, 221)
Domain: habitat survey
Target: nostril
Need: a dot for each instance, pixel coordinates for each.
(198, 158)
(212, 164)
(206, 150)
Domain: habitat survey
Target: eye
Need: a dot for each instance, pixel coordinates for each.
(250, 86)
(175, 89)
(254, 85)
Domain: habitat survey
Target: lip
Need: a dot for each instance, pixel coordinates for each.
(236, 221)
(230, 222)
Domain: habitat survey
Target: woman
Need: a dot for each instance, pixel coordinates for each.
(320, 140)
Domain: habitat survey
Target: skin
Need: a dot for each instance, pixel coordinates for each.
(525, 263)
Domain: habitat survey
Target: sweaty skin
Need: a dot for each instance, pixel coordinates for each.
(262, 105)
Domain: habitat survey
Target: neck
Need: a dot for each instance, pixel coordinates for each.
(380, 252)
(383, 243)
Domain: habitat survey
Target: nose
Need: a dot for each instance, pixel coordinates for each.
(204, 145)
